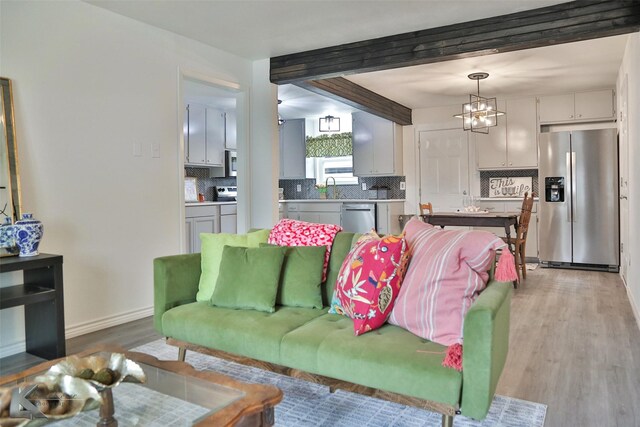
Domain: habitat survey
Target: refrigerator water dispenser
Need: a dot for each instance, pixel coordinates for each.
(554, 189)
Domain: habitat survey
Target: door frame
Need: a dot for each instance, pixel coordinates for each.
(243, 149)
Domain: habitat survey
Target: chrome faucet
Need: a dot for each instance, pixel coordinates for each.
(326, 184)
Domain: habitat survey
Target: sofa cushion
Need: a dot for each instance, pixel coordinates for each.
(301, 276)
(211, 254)
(339, 250)
(448, 271)
(250, 333)
(291, 232)
(389, 358)
(370, 279)
(249, 278)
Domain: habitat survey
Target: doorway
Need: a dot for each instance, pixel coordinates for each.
(212, 150)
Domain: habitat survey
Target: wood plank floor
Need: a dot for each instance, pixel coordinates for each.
(574, 346)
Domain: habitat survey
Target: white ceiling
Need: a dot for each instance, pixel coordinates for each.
(257, 29)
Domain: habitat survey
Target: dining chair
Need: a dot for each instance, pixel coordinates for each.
(519, 242)
(425, 207)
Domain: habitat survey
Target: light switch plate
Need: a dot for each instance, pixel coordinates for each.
(403, 185)
(299, 188)
(364, 186)
(137, 149)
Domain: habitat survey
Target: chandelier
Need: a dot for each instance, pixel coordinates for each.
(480, 113)
(329, 124)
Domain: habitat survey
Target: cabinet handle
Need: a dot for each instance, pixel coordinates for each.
(510, 163)
(502, 163)
(579, 115)
(571, 116)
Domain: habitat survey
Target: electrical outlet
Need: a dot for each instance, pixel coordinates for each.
(137, 149)
(364, 186)
(155, 150)
(403, 185)
(299, 188)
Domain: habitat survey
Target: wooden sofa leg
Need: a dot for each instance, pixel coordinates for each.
(182, 353)
(447, 420)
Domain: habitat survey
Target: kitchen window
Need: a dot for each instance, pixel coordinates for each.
(330, 156)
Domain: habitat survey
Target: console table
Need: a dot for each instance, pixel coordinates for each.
(43, 300)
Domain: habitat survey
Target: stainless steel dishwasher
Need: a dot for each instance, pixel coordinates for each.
(358, 217)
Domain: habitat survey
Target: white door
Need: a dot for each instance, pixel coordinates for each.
(444, 168)
(625, 256)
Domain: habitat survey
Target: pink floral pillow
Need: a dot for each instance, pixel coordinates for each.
(369, 280)
(291, 232)
(448, 271)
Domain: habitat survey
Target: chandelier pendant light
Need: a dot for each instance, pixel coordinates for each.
(480, 113)
(329, 124)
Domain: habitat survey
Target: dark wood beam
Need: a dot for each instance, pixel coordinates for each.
(562, 23)
(349, 93)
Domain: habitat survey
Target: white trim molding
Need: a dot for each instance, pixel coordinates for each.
(13, 348)
(107, 322)
(634, 307)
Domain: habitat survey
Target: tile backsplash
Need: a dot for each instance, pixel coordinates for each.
(486, 175)
(205, 184)
(345, 191)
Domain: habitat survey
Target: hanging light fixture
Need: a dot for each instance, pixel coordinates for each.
(280, 119)
(480, 113)
(329, 124)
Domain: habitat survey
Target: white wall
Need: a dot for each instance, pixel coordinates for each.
(88, 85)
(631, 68)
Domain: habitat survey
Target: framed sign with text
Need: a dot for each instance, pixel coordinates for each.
(510, 187)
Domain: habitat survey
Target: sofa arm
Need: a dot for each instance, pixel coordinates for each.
(486, 341)
(175, 282)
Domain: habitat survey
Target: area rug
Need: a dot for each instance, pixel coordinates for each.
(532, 266)
(307, 404)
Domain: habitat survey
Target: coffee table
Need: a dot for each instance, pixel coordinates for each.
(174, 393)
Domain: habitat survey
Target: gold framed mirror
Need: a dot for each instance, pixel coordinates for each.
(10, 198)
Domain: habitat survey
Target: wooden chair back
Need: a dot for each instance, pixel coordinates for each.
(426, 207)
(525, 216)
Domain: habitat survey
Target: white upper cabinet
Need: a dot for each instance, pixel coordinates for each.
(230, 131)
(513, 143)
(292, 149)
(522, 141)
(204, 136)
(215, 138)
(581, 106)
(377, 146)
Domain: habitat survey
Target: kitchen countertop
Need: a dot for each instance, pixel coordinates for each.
(342, 200)
(209, 203)
(504, 199)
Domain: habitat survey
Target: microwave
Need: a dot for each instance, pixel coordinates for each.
(231, 163)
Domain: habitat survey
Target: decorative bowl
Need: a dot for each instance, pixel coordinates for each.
(122, 369)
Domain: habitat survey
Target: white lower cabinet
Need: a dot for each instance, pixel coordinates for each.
(388, 217)
(229, 219)
(200, 219)
(319, 213)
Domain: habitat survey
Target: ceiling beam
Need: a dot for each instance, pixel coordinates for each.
(562, 23)
(349, 93)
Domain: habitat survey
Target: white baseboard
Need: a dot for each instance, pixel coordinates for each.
(14, 348)
(107, 322)
(634, 307)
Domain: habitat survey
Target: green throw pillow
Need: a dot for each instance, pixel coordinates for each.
(248, 278)
(211, 254)
(301, 276)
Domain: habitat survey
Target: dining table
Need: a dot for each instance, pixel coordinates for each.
(468, 219)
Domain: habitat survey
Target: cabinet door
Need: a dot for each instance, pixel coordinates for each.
(292, 149)
(531, 250)
(230, 130)
(229, 224)
(308, 217)
(328, 218)
(522, 142)
(215, 138)
(205, 224)
(596, 104)
(556, 108)
(188, 235)
(197, 134)
(383, 147)
(362, 138)
(382, 218)
(491, 148)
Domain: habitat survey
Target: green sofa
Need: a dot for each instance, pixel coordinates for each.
(389, 362)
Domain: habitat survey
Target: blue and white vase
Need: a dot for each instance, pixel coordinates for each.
(28, 233)
(7, 237)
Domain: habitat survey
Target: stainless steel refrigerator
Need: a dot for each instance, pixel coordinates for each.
(578, 219)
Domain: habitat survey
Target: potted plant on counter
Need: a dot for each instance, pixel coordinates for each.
(322, 190)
